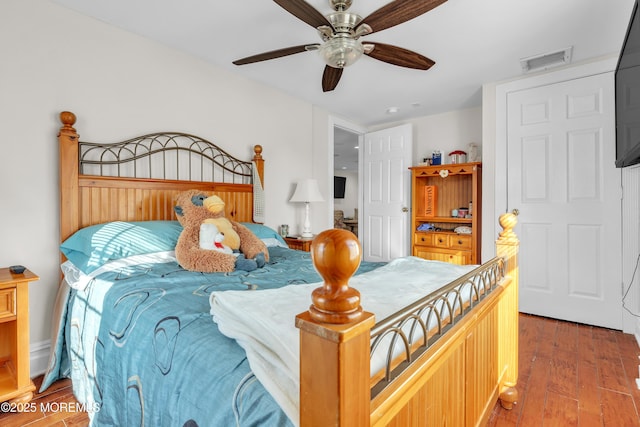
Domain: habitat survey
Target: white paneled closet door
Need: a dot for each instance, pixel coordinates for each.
(563, 182)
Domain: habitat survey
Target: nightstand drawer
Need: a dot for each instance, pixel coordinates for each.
(7, 304)
(299, 244)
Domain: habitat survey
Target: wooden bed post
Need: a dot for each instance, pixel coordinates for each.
(507, 247)
(335, 336)
(69, 191)
(259, 161)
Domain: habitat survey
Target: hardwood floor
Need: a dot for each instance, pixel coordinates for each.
(573, 375)
(55, 407)
(569, 375)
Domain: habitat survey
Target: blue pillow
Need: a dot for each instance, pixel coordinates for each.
(268, 235)
(94, 246)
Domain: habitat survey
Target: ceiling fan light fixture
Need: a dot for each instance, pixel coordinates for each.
(340, 52)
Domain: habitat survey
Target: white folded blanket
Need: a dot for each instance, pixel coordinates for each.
(263, 322)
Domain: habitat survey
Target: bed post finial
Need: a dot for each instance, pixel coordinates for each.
(508, 221)
(68, 119)
(336, 257)
(257, 150)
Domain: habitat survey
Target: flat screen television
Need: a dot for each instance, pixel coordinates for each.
(339, 182)
(627, 87)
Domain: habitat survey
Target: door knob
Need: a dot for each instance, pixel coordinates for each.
(405, 209)
(516, 212)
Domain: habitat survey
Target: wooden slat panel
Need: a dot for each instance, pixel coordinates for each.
(454, 192)
(482, 369)
(108, 203)
(440, 400)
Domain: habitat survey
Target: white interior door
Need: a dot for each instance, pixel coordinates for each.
(562, 179)
(386, 191)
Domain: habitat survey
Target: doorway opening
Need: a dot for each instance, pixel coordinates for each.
(346, 181)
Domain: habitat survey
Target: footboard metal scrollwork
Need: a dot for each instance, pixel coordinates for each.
(166, 155)
(402, 337)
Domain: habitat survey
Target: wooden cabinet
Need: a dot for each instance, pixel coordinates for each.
(15, 381)
(299, 243)
(436, 192)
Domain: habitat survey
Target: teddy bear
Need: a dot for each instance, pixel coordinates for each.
(195, 208)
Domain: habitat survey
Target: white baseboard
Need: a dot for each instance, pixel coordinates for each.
(637, 335)
(39, 357)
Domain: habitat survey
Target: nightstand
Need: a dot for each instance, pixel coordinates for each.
(15, 381)
(299, 243)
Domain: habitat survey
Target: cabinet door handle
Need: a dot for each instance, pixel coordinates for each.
(460, 242)
(439, 240)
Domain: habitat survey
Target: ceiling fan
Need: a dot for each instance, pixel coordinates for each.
(340, 32)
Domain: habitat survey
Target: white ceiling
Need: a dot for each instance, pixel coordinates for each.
(472, 42)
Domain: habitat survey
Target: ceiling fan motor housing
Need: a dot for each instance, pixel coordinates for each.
(344, 22)
(340, 4)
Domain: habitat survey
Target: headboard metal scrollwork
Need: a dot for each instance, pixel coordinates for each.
(164, 155)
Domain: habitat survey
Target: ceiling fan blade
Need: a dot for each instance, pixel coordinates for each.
(397, 12)
(330, 78)
(276, 54)
(303, 11)
(399, 56)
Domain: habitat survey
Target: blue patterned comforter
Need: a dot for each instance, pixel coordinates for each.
(141, 347)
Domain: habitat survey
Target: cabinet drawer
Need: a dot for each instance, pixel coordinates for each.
(460, 242)
(423, 239)
(7, 303)
(441, 240)
(460, 257)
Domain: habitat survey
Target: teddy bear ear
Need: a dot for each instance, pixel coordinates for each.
(178, 210)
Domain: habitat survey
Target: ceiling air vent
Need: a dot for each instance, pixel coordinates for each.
(546, 60)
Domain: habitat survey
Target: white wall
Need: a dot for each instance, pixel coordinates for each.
(447, 132)
(119, 85)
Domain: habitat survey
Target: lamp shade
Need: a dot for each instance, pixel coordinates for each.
(307, 191)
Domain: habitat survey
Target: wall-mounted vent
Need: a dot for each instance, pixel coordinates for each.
(546, 60)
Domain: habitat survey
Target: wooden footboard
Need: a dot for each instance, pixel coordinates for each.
(454, 378)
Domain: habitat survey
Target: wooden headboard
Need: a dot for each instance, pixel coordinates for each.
(138, 179)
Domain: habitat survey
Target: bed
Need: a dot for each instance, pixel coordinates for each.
(143, 340)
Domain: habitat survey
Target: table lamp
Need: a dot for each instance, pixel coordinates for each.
(307, 191)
